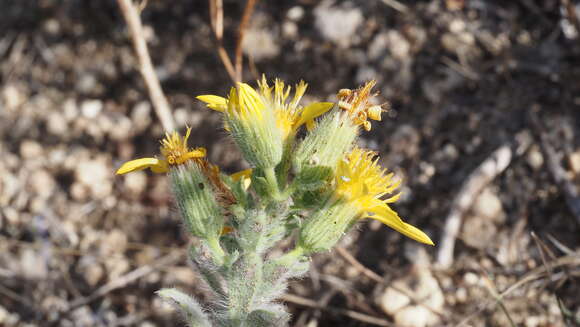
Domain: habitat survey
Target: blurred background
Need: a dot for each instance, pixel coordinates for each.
(483, 129)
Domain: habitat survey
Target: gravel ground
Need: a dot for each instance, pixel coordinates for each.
(80, 246)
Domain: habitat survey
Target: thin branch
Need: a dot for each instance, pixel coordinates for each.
(375, 277)
(397, 6)
(250, 4)
(216, 13)
(568, 260)
(160, 103)
(126, 279)
(344, 312)
(571, 13)
(565, 184)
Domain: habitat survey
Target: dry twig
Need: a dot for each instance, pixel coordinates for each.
(540, 272)
(398, 6)
(250, 4)
(491, 167)
(126, 279)
(375, 277)
(348, 313)
(160, 103)
(216, 16)
(558, 173)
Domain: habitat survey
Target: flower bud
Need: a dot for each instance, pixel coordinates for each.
(252, 124)
(327, 143)
(327, 225)
(196, 199)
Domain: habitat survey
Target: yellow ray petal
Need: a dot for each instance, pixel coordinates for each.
(389, 217)
(241, 174)
(214, 102)
(155, 164)
(312, 111)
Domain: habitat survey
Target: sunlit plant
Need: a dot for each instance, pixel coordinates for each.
(312, 188)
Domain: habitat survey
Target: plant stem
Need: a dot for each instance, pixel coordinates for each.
(216, 250)
(270, 174)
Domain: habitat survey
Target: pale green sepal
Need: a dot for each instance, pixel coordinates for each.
(193, 312)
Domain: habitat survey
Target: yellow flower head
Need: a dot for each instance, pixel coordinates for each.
(362, 182)
(356, 104)
(174, 150)
(248, 103)
(289, 114)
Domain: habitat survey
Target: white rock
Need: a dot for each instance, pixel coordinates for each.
(12, 97)
(422, 285)
(457, 25)
(398, 45)
(414, 316)
(70, 109)
(33, 264)
(52, 26)
(488, 205)
(295, 13)
(87, 83)
(57, 124)
(123, 128)
(535, 158)
(91, 108)
(471, 279)
(478, 231)
(290, 30)
(141, 115)
(114, 242)
(42, 183)
(260, 44)
(30, 150)
(337, 24)
(136, 182)
(575, 162)
(96, 175)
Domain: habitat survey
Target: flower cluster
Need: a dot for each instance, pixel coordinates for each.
(317, 183)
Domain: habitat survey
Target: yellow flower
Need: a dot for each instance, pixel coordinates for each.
(290, 115)
(361, 182)
(356, 104)
(243, 175)
(174, 150)
(249, 104)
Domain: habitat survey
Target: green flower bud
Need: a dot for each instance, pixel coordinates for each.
(252, 124)
(327, 143)
(327, 225)
(196, 199)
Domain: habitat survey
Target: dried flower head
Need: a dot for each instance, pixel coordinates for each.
(357, 105)
(174, 150)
